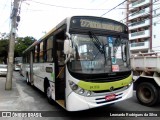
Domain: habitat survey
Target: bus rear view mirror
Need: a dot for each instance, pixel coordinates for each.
(67, 47)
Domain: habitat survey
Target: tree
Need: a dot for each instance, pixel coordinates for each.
(20, 46)
(3, 50)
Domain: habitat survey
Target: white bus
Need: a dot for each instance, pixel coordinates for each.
(82, 63)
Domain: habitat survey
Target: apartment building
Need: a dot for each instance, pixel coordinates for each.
(143, 20)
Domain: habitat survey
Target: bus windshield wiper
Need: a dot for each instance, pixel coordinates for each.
(96, 42)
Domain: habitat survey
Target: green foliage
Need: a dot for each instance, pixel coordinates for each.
(20, 45)
(3, 49)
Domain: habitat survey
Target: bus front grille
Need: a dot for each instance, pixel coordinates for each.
(103, 100)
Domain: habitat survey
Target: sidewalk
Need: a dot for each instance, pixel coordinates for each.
(9, 99)
(12, 100)
(22, 97)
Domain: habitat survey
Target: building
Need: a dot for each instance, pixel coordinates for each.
(143, 20)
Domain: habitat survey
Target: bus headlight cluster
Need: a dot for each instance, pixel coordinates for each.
(79, 90)
(129, 84)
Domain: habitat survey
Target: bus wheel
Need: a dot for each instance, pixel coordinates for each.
(147, 94)
(27, 79)
(49, 94)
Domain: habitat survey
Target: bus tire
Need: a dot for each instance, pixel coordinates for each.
(27, 79)
(147, 94)
(48, 91)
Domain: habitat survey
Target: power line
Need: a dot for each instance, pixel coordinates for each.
(5, 21)
(8, 17)
(22, 11)
(52, 5)
(2, 13)
(4, 7)
(39, 10)
(113, 8)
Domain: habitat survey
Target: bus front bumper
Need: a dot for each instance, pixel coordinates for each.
(75, 102)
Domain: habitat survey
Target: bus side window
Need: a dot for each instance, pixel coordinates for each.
(35, 54)
(41, 53)
(49, 49)
(45, 51)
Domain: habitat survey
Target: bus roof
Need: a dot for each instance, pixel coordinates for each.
(66, 21)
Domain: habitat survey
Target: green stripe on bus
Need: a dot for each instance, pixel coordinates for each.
(52, 75)
(104, 86)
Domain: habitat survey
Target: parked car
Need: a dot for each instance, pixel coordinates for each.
(3, 69)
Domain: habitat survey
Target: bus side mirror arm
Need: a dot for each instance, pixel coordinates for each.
(67, 59)
(68, 49)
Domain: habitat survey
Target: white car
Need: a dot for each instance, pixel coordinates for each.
(3, 70)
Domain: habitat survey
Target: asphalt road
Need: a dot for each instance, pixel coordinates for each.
(36, 101)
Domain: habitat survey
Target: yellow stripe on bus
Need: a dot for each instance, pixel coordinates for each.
(105, 86)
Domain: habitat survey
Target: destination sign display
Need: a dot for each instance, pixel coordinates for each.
(97, 23)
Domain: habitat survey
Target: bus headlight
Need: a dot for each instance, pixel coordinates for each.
(79, 90)
(73, 86)
(89, 93)
(129, 85)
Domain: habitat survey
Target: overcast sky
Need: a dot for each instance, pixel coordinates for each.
(39, 16)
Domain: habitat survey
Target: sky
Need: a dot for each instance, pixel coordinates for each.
(40, 16)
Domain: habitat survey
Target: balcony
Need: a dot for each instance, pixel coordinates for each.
(139, 45)
(138, 3)
(140, 34)
(139, 24)
(140, 13)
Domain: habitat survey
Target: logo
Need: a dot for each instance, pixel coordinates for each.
(6, 114)
(111, 88)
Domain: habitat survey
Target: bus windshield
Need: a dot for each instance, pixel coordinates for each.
(99, 54)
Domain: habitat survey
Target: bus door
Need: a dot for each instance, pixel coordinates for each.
(60, 70)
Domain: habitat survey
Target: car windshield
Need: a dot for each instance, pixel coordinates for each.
(99, 54)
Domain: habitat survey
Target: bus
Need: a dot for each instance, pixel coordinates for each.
(82, 63)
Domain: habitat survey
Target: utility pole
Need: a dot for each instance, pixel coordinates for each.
(8, 85)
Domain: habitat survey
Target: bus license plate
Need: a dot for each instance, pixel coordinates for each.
(110, 97)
